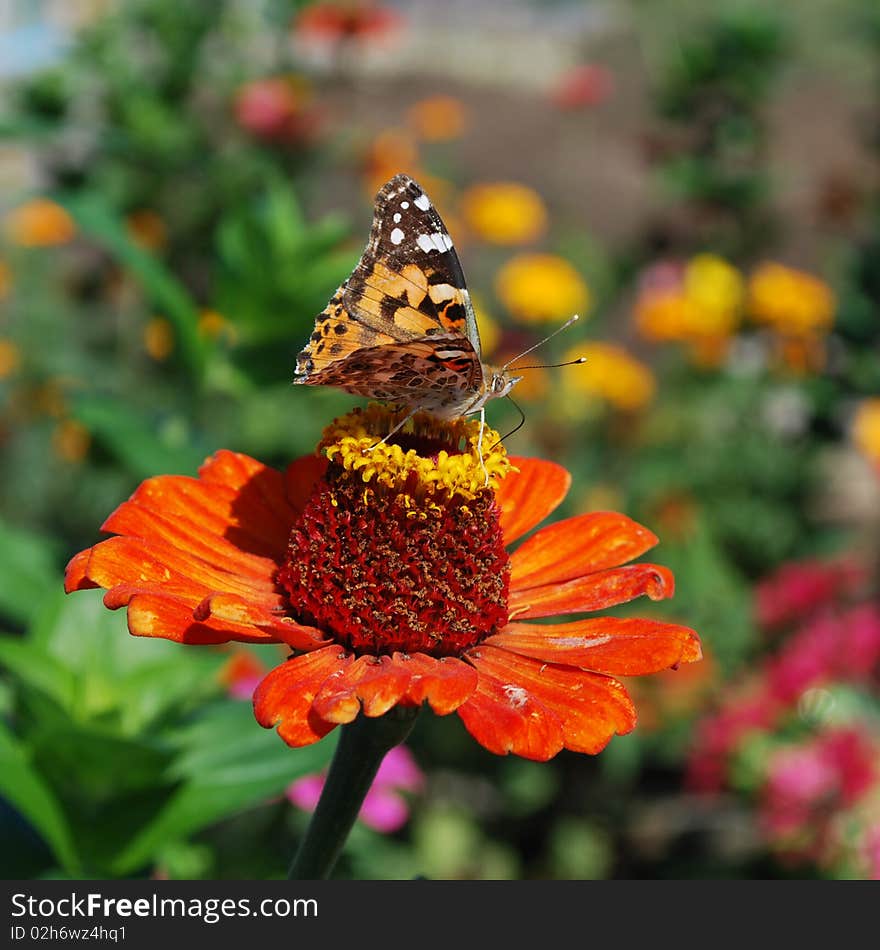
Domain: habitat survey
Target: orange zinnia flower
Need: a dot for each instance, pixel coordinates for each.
(384, 567)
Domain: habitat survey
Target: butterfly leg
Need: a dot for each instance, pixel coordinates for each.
(397, 428)
(480, 444)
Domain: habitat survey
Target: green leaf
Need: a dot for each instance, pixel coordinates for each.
(34, 667)
(134, 439)
(128, 681)
(27, 571)
(23, 787)
(227, 764)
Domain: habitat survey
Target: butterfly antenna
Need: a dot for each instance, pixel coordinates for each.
(535, 346)
(519, 425)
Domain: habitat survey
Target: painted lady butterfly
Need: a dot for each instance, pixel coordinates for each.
(402, 328)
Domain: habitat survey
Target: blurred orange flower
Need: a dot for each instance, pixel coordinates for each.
(504, 212)
(10, 358)
(438, 118)
(159, 338)
(609, 374)
(147, 229)
(789, 301)
(214, 325)
(71, 440)
(393, 150)
(539, 288)
(865, 430)
(39, 223)
(5, 280)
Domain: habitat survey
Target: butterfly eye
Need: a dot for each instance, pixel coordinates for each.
(499, 384)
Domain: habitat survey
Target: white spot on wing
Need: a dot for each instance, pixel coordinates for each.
(422, 202)
(396, 217)
(404, 205)
(434, 242)
(396, 235)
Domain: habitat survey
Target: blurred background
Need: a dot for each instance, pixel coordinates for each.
(182, 187)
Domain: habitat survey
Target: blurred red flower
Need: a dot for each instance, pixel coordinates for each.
(583, 87)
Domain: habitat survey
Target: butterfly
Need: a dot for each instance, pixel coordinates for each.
(402, 329)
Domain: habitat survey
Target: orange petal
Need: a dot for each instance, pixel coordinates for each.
(301, 478)
(259, 490)
(232, 609)
(526, 497)
(156, 566)
(445, 683)
(160, 615)
(253, 515)
(504, 718)
(75, 574)
(591, 707)
(371, 682)
(622, 647)
(132, 520)
(578, 546)
(284, 698)
(593, 592)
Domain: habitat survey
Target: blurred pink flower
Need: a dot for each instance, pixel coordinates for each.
(798, 589)
(583, 87)
(842, 645)
(384, 808)
(808, 785)
(871, 850)
(241, 674)
(746, 710)
(276, 109)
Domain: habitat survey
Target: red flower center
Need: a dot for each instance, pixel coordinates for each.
(385, 568)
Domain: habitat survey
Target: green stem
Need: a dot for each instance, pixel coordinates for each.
(362, 746)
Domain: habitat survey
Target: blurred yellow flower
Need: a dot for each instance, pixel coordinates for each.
(699, 304)
(610, 374)
(865, 429)
(438, 118)
(147, 229)
(71, 440)
(790, 301)
(39, 223)
(540, 288)
(159, 338)
(716, 290)
(10, 358)
(213, 325)
(504, 212)
(5, 280)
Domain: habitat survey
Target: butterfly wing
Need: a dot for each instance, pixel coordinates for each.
(410, 263)
(408, 288)
(439, 374)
